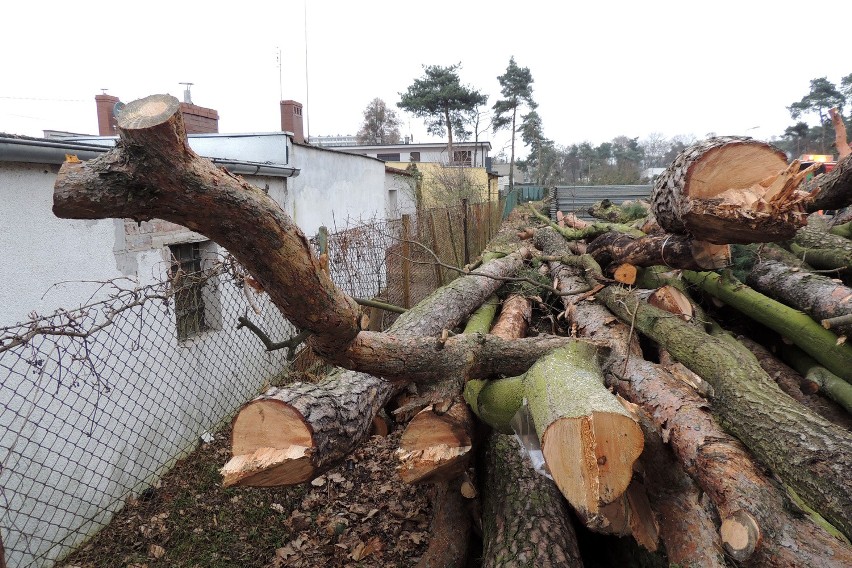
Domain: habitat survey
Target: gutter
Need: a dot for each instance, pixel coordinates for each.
(53, 152)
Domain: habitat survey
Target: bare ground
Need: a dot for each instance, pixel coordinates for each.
(360, 514)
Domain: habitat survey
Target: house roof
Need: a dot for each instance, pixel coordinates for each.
(26, 149)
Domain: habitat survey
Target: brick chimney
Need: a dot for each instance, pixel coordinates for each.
(106, 119)
(199, 120)
(291, 120)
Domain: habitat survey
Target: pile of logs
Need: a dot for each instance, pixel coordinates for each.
(617, 389)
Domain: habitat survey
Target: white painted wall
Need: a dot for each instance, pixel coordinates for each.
(69, 451)
(333, 187)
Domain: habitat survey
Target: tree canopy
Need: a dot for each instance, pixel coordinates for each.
(441, 100)
(381, 124)
(516, 88)
(822, 96)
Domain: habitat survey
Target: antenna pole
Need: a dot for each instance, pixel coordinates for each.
(307, 86)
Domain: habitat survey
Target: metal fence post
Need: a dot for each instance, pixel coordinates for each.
(438, 276)
(406, 261)
(322, 239)
(465, 232)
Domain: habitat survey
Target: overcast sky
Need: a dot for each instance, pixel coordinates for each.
(601, 69)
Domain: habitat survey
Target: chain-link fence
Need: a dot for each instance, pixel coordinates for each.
(98, 402)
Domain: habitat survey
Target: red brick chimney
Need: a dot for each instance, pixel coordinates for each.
(291, 120)
(106, 119)
(199, 120)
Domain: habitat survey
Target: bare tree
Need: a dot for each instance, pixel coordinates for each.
(381, 124)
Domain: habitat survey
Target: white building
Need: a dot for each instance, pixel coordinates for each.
(96, 444)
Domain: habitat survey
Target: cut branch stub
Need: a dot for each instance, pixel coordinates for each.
(730, 190)
(436, 446)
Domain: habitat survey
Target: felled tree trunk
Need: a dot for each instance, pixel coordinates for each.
(606, 210)
(450, 529)
(730, 190)
(320, 430)
(829, 384)
(515, 317)
(799, 389)
(834, 188)
(675, 251)
(815, 340)
(525, 520)
(700, 444)
(815, 294)
(687, 520)
(821, 249)
(809, 453)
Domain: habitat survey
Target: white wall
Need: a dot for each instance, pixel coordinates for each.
(333, 186)
(70, 449)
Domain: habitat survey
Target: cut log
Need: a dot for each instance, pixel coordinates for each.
(815, 340)
(625, 273)
(514, 318)
(588, 231)
(496, 402)
(606, 210)
(436, 445)
(832, 190)
(730, 190)
(450, 529)
(525, 520)
(829, 384)
(292, 434)
(676, 251)
(821, 249)
(672, 300)
(801, 390)
(806, 451)
(588, 439)
(717, 461)
(815, 294)
(686, 518)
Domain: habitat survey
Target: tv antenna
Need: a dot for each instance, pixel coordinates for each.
(187, 96)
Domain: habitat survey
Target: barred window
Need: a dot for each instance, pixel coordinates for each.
(462, 157)
(188, 283)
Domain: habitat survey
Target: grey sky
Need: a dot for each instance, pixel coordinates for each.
(601, 68)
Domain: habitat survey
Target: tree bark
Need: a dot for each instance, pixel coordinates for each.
(700, 444)
(730, 190)
(834, 187)
(291, 434)
(830, 384)
(320, 430)
(525, 520)
(450, 530)
(815, 340)
(799, 389)
(675, 251)
(515, 316)
(687, 520)
(608, 211)
(821, 249)
(809, 453)
(815, 294)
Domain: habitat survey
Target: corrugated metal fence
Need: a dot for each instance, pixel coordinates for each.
(578, 198)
